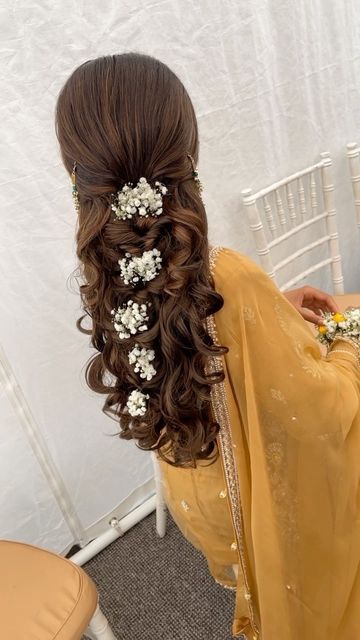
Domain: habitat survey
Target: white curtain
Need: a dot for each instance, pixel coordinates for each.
(273, 82)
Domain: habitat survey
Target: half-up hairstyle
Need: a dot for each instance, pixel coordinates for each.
(123, 117)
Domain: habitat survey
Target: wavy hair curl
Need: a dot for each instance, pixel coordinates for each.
(122, 117)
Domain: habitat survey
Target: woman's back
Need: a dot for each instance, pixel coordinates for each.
(203, 364)
(289, 444)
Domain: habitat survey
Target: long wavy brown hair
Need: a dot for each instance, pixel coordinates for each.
(122, 117)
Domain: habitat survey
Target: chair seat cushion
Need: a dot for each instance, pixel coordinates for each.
(42, 595)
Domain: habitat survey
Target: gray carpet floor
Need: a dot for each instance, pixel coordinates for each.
(160, 589)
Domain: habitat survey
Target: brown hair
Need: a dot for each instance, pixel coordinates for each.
(123, 117)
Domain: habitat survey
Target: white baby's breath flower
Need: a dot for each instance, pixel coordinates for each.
(130, 318)
(344, 325)
(336, 325)
(143, 200)
(141, 358)
(144, 268)
(137, 403)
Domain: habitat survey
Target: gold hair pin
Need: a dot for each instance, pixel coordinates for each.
(195, 173)
(75, 193)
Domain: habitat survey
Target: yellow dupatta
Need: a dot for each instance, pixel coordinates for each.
(290, 448)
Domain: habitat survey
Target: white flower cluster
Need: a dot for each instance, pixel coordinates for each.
(134, 269)
(130, 318)
(143, 200)
(336, 325)
(137, 403)
(141, 358)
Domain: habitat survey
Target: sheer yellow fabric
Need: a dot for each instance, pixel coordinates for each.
(289, 467)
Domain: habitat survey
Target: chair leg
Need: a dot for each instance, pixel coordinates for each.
(161, 510)
(99, 628)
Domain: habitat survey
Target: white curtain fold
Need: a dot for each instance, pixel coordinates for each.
(273, 84)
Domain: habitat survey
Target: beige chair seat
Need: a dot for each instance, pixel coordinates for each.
(348, 300)
(42, 595)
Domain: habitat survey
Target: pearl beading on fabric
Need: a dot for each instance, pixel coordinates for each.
(220, 408)
(349, 353)
(185, 505)
(355, 342)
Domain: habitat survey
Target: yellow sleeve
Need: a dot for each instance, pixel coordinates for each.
(275, 362)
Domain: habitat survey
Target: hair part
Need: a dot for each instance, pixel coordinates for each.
(123, 117)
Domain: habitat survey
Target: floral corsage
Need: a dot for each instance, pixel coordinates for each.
(341, 326)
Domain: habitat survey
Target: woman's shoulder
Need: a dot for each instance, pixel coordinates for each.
(238, 277)
(227, 264)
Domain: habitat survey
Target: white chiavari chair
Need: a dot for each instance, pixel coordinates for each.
(353, 154)
(161, 509)
(296, 217)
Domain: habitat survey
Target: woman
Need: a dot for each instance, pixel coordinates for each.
(258, 434)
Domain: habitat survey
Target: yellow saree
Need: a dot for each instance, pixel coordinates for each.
(278, 515)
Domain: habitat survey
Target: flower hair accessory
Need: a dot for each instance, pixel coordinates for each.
(340, 326)
(136, 403)
(130, 318)
(142, 358)
(142, 200)
(140, 268)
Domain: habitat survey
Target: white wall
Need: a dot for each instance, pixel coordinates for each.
(274, 83)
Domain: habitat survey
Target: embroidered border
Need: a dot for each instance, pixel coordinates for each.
(213, 254)
(221, 413)
(224, 586)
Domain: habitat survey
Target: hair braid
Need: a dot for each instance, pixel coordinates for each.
(182, 293)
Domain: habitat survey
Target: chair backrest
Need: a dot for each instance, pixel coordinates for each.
(353, 154)
(281, 215)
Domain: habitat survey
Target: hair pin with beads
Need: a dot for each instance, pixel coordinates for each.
(75, 193)
(195, 173)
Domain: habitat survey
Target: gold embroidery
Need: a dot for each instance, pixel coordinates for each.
(249, 315)
(225, 586)
(213, 254)
(221, 414)
(276, 394)
(285, 499)
(306, 357)
(275, 452)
